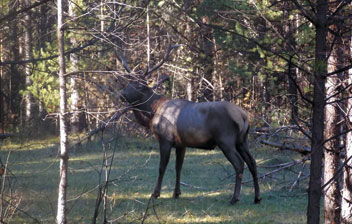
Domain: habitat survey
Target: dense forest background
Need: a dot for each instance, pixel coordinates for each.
(287, 63)
(256, 54)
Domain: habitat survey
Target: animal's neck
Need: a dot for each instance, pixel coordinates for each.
(145, 111)
(146, 105)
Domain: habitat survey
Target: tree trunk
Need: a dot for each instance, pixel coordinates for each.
(314, 191)
(266, 99)
(75, 97)
(2, 120)
(346, 203)
(16, 79)
(189, 89)
(207, 59)
(61, 208)
(332, 148)
(292, 91)
(291, 71)
(28, 56)
(332, 197)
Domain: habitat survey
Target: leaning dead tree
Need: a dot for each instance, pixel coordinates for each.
(283, 138)
(305, 150)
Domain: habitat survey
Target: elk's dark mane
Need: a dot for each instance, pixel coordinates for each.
(145, 112)
(141, 118)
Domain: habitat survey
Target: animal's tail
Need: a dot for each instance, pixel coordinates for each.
(240, 119)
(244, 133)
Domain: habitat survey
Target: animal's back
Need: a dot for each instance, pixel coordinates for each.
(198, 124)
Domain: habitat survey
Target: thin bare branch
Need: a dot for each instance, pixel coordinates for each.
(165, 58)
(304, 12)
(104, 124)
(34, 5)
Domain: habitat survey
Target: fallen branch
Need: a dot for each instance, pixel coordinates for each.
(5, 135)
(284, 166)
(299, 178)
(288, 146)
(293, 163)
(192, 186)
(268, 130)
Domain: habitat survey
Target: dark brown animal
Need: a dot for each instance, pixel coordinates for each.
(181, 123)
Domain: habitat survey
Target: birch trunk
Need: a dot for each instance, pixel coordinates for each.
(332, 196)
(346, 203)
(61, 207)
(332, 147)
(28, 56)
(2, 120)
(75, 97)
(189, 89)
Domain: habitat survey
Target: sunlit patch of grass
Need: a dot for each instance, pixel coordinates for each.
(205, 198)
(199, 152)
(18, 144)
(191, 218)
(86, 157)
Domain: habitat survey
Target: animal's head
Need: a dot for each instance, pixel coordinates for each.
(136, 92)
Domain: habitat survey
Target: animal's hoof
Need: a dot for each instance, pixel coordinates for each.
(234, 201)
(257, 200)
(177, 194)
(156, 195)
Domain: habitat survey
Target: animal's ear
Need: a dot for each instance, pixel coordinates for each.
(151, 83)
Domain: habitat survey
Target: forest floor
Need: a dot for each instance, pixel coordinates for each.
(207, 178)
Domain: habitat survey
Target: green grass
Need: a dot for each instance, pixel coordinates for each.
(35, 169)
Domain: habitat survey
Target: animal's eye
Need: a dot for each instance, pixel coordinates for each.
(141, 86)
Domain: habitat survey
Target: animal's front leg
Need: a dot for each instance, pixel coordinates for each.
(180, 155)
(165, 149)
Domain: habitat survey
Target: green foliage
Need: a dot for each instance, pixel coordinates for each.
(45, 84)
(242, 71)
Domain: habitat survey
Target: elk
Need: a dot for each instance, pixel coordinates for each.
(180, 123)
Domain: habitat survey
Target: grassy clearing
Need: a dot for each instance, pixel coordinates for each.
(35, 170)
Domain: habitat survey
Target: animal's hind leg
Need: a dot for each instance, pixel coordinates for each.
(252, 166)
(236, 160)
(165, 149)
(180, 155)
